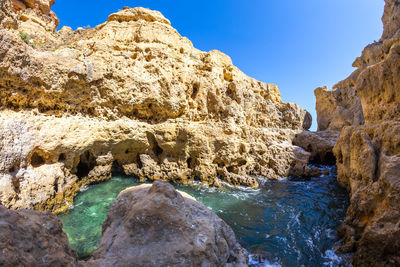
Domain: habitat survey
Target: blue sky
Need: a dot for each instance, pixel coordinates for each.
(297, 44)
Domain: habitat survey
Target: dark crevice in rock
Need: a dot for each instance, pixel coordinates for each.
(196, 89)
(117, 169)
(327, 159)
(61, 157)
(139, 161)
(36, 160)
(86, 163)
(330, 158)
(157, 150)
(189, 162)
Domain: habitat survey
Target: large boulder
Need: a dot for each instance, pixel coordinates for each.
(155, 225)
(31, 238)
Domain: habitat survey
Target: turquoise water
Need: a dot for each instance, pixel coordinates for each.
(285, 223)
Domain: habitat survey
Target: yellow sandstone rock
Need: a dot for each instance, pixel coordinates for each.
(131, 96)
(368, 154)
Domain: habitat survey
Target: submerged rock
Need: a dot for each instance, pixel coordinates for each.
(31, 238)
(155, 225)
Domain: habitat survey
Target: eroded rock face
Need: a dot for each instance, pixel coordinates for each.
(31, 238)
(368, 156)
(320, 144)
(368, 166)
(157, 226)
(338, 108)
(131, 96)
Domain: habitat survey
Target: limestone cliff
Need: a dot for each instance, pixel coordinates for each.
(368, 156)
(129, 96)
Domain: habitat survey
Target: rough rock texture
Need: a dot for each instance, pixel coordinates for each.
(368, 156)
(130, 96)
(157, 226)
(31, 238)
(369, 167)
(320, 144)
(338, 108)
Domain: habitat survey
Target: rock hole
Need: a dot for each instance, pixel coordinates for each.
(127, 151)
(191, 163)
(195, 91)
(61, 157)
(340, 158)
(36, 160)
(86, 163)
(157, 150)
(139, 161)
(242, 162)
(330, 158)
(116, 169)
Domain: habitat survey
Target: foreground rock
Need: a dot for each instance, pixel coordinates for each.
(129, 96)
(157, 226)
(31, 238)
(368, 156)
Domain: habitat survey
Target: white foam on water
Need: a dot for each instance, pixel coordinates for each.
(332, 258)
(254, 260)
(70, 207)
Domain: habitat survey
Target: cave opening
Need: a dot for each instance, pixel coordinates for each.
(36, 160)
(327, 159)
(86, 163)
(61, 157)
(330, 159)
(117, 169)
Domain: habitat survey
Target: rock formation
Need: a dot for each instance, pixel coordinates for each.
(157, 226)
(338, 108)
(368, 156)
(129, 96)
(31, 238)
(320, 144)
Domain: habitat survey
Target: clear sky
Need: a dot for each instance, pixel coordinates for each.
(297, 44)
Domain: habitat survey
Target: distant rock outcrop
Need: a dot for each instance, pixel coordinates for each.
(31, 238)
(129, 96)
(368, 156)
(154, 225)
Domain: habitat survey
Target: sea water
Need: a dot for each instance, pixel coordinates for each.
(284, 223)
